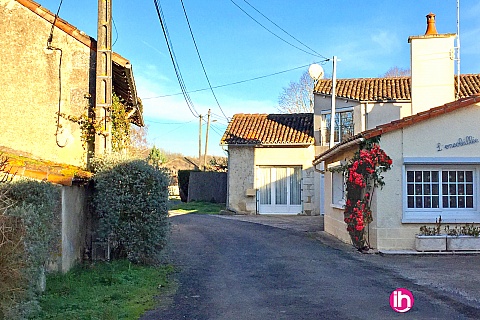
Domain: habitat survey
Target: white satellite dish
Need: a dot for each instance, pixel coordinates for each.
(315, 71)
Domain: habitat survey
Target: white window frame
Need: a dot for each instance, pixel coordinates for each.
(324, 113)
(449, 215)
(338, 186)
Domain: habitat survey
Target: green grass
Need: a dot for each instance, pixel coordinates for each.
(197, 207)
(104, 290)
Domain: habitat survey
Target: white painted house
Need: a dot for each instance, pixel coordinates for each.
(431, 138)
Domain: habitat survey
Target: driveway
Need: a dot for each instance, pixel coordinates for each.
(231, 269)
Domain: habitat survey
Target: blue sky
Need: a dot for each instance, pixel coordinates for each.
(369, 37)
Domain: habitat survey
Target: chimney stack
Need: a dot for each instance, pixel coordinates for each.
(432, 68)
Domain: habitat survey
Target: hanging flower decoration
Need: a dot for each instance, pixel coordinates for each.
(363, 173)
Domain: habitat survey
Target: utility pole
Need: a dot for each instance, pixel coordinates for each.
(103, 92)
(206, 141)
(200, 143)
(332, 115)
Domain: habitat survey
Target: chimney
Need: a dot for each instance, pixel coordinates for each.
(432, 68)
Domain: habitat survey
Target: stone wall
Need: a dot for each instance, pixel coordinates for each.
(241, 175)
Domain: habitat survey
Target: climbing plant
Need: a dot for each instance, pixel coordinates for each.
(363, 174)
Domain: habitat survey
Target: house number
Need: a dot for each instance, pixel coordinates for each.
(461, 142)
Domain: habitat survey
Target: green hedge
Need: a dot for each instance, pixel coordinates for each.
(37, 206)
(130, 200)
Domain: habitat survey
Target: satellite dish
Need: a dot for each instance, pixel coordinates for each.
(315, 71)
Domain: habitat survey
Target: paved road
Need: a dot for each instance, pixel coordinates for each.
(230, 269)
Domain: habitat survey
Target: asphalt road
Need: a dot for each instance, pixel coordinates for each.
(230, 269)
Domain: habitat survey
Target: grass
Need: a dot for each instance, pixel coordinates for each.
(196, 207)
(104, 290)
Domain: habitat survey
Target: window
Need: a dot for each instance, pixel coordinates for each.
(338, 186)
(343, 126)
(449, 191)
(280, 189)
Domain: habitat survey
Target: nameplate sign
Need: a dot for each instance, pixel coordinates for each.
(461, 142)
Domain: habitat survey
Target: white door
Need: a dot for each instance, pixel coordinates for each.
(279, 190)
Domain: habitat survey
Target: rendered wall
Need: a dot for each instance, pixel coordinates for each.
(30, 86)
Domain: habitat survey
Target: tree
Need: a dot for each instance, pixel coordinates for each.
(396, 72)
(138, 147)
(298, 96)
(156, 157)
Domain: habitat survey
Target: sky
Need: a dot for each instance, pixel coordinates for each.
(368, 37)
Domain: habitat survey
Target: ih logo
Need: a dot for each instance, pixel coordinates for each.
(401, 300)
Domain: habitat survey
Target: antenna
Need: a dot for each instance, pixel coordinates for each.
(457, 47)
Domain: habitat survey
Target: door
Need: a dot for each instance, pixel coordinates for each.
(279, 190)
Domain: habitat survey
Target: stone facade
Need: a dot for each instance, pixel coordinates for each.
(35, 81)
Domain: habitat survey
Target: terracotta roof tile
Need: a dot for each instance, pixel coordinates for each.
(257, 129)
(399, 124)
(388, 89)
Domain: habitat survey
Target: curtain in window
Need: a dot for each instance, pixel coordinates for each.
(264, 178)
(281, 186)
(295, 185)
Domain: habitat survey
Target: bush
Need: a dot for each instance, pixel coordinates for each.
(130, 200)
(36, 204)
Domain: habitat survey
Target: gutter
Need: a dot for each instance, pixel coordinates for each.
(337, 149)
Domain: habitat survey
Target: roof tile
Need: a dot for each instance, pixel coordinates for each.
(256, 129)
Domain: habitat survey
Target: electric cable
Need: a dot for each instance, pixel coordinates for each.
(116, 32)
(236, 82)
(201, 61)
(285, 31)
(176, 67)
(273, 33)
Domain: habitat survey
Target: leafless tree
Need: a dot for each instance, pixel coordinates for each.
(396, 72)
(298, 96)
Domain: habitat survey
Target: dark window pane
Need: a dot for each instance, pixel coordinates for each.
(435, 176)
(434, 202)
(452, 176)
(444, 188)
(427, 202)
(461, 176)
(469, 189)
(445, 202)
(426, 176)
(426, 189)
(418, 202)
(469, 202)
(452, 189)
(411, 202)
(469, 176)
(461, 202)
(435, 189)
(461, 189)
(444, 176)
(418, 176)
(409, 176)
(410, 190)
(418, 189)
(453, 202)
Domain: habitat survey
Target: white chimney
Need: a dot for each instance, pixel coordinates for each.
(432, 67)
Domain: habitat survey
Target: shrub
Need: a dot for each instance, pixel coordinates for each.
(36, 204)
(130, 200)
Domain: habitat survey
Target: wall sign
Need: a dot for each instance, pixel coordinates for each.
(461, 142)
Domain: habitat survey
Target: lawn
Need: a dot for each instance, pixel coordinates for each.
(178, 207)
(104, 290)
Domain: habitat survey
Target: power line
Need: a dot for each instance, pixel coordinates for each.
(168, 123)
(236, 82)
(273, 33)
(201, 61)
(286, 32)
(176, 67)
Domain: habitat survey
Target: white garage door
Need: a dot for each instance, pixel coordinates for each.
(279, 190)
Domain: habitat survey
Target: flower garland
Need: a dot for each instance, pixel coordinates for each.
(363, 175)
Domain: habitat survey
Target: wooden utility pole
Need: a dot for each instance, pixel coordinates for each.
(200, 142)
(103, 98)
(206, 141)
